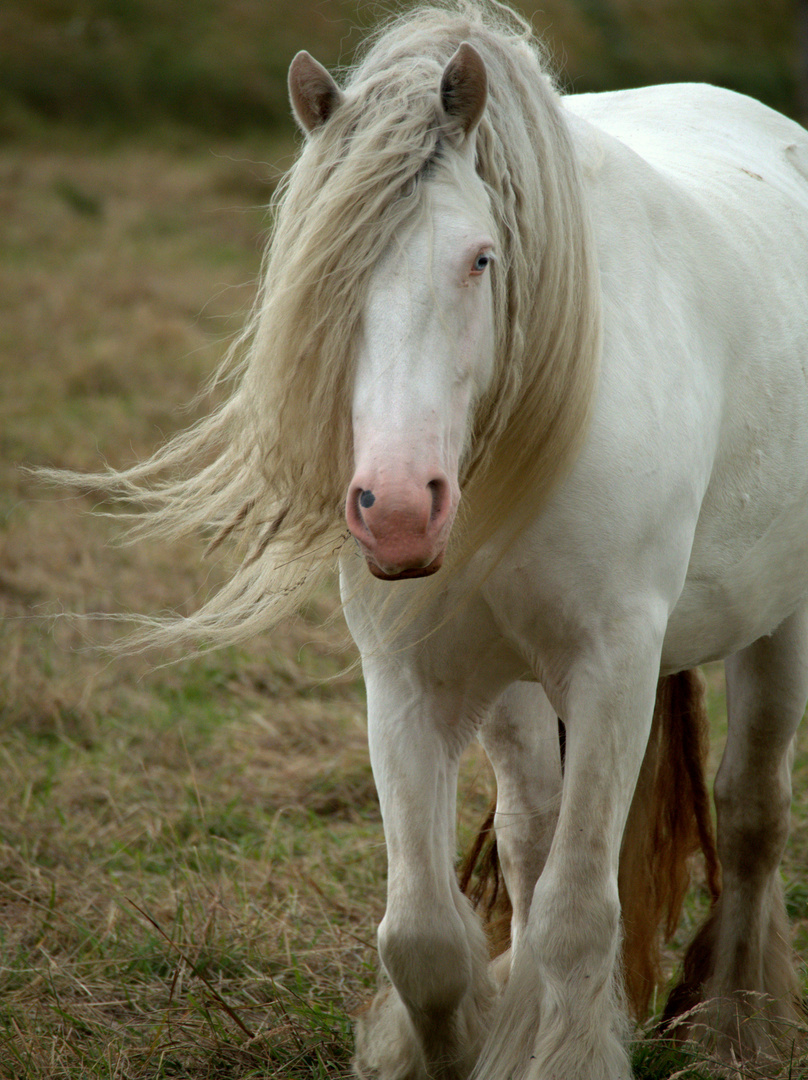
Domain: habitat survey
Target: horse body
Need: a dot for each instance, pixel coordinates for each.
(680, 535)
(729, 355)
(702, 418)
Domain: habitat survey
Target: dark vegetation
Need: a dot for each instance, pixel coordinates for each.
(220, 65)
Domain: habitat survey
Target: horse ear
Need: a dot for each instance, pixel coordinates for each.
(312, 91)
(464, 88)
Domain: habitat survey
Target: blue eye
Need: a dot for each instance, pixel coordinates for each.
(481, 262)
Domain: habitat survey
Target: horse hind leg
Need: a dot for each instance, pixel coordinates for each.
(740, 966)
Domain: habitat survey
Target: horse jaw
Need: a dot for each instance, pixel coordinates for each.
(426, 357)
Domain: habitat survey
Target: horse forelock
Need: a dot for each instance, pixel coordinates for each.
(271, 467)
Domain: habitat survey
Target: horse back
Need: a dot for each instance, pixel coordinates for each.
(694, 131)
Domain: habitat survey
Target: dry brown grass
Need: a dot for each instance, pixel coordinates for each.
(191, 857)
(110, 790)
(229, 799)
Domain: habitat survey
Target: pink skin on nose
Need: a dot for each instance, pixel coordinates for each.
(402, 525)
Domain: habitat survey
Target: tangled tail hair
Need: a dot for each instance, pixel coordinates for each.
(669, 821)
(481, 880)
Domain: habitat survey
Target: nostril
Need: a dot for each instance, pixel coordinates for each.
(356, 501)
(439, 489)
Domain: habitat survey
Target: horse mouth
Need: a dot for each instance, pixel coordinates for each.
(402, 575)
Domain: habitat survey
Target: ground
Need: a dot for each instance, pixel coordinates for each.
(191, 855)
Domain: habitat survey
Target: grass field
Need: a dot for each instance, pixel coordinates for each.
(191, 857)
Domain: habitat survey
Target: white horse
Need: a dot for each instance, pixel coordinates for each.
(559, 345)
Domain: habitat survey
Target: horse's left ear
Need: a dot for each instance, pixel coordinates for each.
(464, 88)
(312, 91)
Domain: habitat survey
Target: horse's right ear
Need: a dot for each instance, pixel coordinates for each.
(312, 91)
(464, 89)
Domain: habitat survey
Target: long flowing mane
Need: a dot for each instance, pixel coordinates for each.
(269, 469)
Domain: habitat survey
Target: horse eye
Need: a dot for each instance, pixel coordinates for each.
(480, 263)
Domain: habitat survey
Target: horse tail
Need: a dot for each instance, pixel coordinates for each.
(481, 880)
(668, 822)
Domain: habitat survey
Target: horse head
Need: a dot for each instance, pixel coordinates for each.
(426, 354)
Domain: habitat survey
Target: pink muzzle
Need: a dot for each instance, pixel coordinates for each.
(402, 525)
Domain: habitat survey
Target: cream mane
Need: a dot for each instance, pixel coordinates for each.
(270, 468)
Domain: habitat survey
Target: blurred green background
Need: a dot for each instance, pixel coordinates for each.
(220, 65)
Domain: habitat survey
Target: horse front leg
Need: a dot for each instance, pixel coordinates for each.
(430, 1022)
(562, 1015)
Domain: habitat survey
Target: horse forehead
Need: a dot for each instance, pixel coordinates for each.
(424, 253)
(422, 266)
(460, 196)
(402, 297)
(417, 281)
